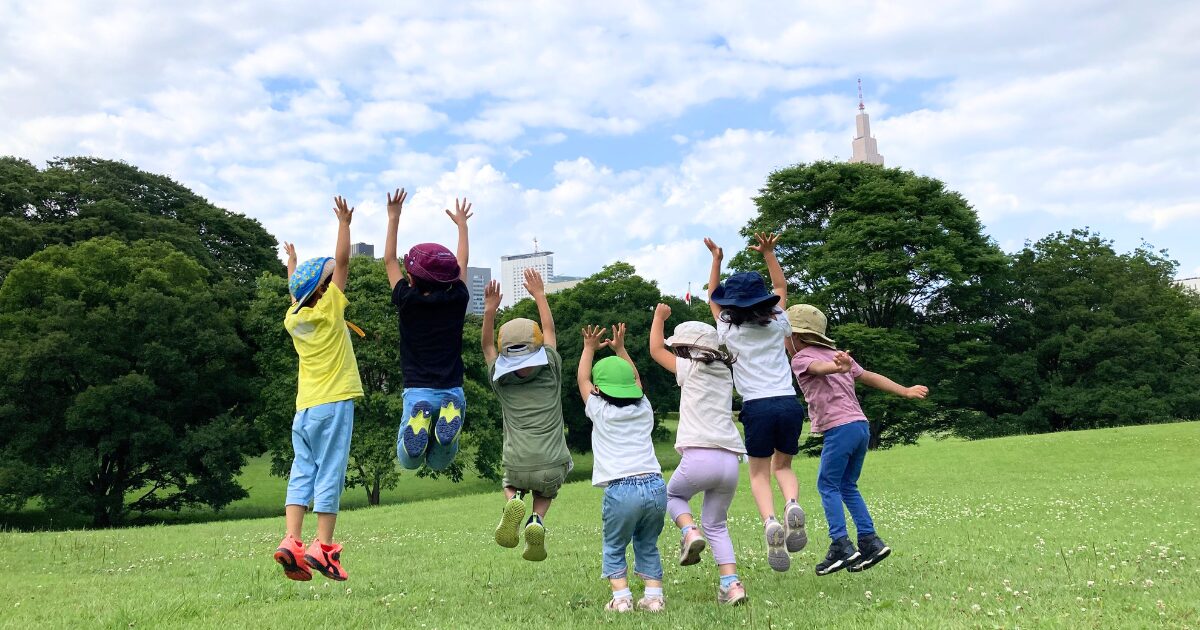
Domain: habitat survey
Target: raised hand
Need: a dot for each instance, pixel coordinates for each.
(342, 211)
(290, 250)
(717, 252)
(593, 337)
(766, 242)
(533, 283)
(617, 343)
(462, 212)
(916, 391)
(492, 296)
(662, 312)
(395, 203)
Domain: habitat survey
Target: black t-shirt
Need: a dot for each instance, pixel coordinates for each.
(431, 329)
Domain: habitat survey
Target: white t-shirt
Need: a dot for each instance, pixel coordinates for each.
(621, 444)
(762, 369)
(706, 407)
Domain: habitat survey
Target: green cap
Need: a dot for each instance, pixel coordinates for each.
(614, 376)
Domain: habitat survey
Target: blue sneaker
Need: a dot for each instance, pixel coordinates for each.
(416, 434)
(449, 422)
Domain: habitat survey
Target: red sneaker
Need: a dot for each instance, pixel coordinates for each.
(290, 556)
(326, 559)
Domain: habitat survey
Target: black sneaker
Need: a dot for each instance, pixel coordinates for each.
(872, 551)
(841, 555)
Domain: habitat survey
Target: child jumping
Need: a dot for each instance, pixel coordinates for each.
(525, 371)
(430, 295)
(708, 442)
(827, 377)
(327, 385)
(625, 465)
(751, 324)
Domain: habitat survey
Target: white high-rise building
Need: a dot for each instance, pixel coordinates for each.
(512, 273)
(864, 146)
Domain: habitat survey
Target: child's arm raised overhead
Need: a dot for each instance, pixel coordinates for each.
(462, 212)
(537, 289)
(341, 255)
(883, 383)
(583, 376)
(766, 247)
(617, 343)
(487, 336)
(714, 276)
(395, 204)
(291, 262)
(658, 347)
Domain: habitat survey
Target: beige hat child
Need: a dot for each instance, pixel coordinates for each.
(521, 345)
(697, 334)
(810, 323)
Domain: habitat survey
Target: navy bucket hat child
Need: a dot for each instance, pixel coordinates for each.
(744, 290)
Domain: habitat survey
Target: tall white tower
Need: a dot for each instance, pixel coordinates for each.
(512, 273)
(864, 146)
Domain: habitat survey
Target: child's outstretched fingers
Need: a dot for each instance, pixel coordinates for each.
(766, 242)
(492, 295)
(462, 212)
(395, 202)
(715, 249)
(342, 210)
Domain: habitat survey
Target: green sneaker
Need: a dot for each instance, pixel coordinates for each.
(535, 541)
(508, 532)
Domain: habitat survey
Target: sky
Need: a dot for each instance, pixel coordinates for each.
(619, 130)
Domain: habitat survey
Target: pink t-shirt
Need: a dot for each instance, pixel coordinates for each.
(831, 399)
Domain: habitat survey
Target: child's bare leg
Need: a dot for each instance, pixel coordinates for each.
(618, 584)
(781, 465)
(295, 520)
(510, 492)
(653, 583)
(683, 520)
(760, 486)
(727, 569)
(541, 505)
(325, 523)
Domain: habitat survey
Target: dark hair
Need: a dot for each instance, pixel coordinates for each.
(618, 402)
(760, 314)
(312, 299)
(428, 286)
(704, 355)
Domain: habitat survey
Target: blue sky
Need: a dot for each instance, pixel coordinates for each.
(623, 131)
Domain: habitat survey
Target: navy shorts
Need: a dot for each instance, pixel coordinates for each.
(772, 424)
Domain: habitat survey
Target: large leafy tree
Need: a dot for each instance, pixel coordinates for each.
(902, 268)
(122, 383)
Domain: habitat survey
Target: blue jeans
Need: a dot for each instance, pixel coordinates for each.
(321, 442)
(633, 512)
(437, 456)
(837, 478)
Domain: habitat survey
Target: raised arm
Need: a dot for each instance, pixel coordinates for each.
(537, 288)
(395, 204)
(462, 212)
(583, 376)
(487, 336)
(658, 344)
(341, 255)
(883, 383)
(714, 276)
(766, 247)
(617, 343)
(290, 249)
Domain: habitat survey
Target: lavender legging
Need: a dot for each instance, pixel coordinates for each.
(713, 471)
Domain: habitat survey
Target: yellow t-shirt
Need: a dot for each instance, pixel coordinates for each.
(328, 369)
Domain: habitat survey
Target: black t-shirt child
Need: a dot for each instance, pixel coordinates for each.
(431, 329)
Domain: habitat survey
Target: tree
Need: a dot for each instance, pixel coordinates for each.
(1093, 339)
(377, 414)
(902, 269)
(123, 380)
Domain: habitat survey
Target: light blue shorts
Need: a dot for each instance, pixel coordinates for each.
(321, 442)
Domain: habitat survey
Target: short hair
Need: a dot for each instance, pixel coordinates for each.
(312, 299)
(618, 402)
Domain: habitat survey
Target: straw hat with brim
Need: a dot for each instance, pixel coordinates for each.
(521, 345)
(614, 376)
(696, 334)
(433, 262)
(744, 290)
(308, 277)
(810, 323)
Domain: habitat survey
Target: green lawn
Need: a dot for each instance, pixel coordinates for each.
(1092, 529)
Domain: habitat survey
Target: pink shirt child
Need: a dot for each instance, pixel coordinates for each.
(831, 399)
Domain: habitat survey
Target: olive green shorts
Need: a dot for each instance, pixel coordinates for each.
(542, 483)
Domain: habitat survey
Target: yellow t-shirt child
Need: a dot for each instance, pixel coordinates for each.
(328, 369)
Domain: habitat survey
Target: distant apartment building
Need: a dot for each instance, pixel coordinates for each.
(512, 273)
(362, 249)
(562, 283)
(1189, 283)
(477, 279)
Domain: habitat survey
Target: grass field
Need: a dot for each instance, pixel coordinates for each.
(1093, 529)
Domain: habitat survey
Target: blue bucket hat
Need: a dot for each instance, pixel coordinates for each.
(743, 290)
(308, 277)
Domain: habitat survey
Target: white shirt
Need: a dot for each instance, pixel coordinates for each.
(706, 407)
(621, 444)
(762, 369)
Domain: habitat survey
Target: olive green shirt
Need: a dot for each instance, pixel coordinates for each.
(533, 417)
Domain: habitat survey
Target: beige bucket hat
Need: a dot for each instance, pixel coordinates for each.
(810, 323)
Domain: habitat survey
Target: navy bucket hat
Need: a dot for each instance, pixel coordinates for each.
(744, 290)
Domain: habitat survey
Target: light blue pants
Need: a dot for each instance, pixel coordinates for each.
(633, 512)
(321, 442)
(429, 403)
(842, 457)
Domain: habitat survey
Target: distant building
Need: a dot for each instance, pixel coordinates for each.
(562, 283)
(477, 279)
(1189, 283)
(512, 273)
(362, 249)
(864, 146)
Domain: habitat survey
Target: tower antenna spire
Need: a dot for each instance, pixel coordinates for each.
(535, 245)
(860, 98)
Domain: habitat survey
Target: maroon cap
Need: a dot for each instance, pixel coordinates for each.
(433, 262)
